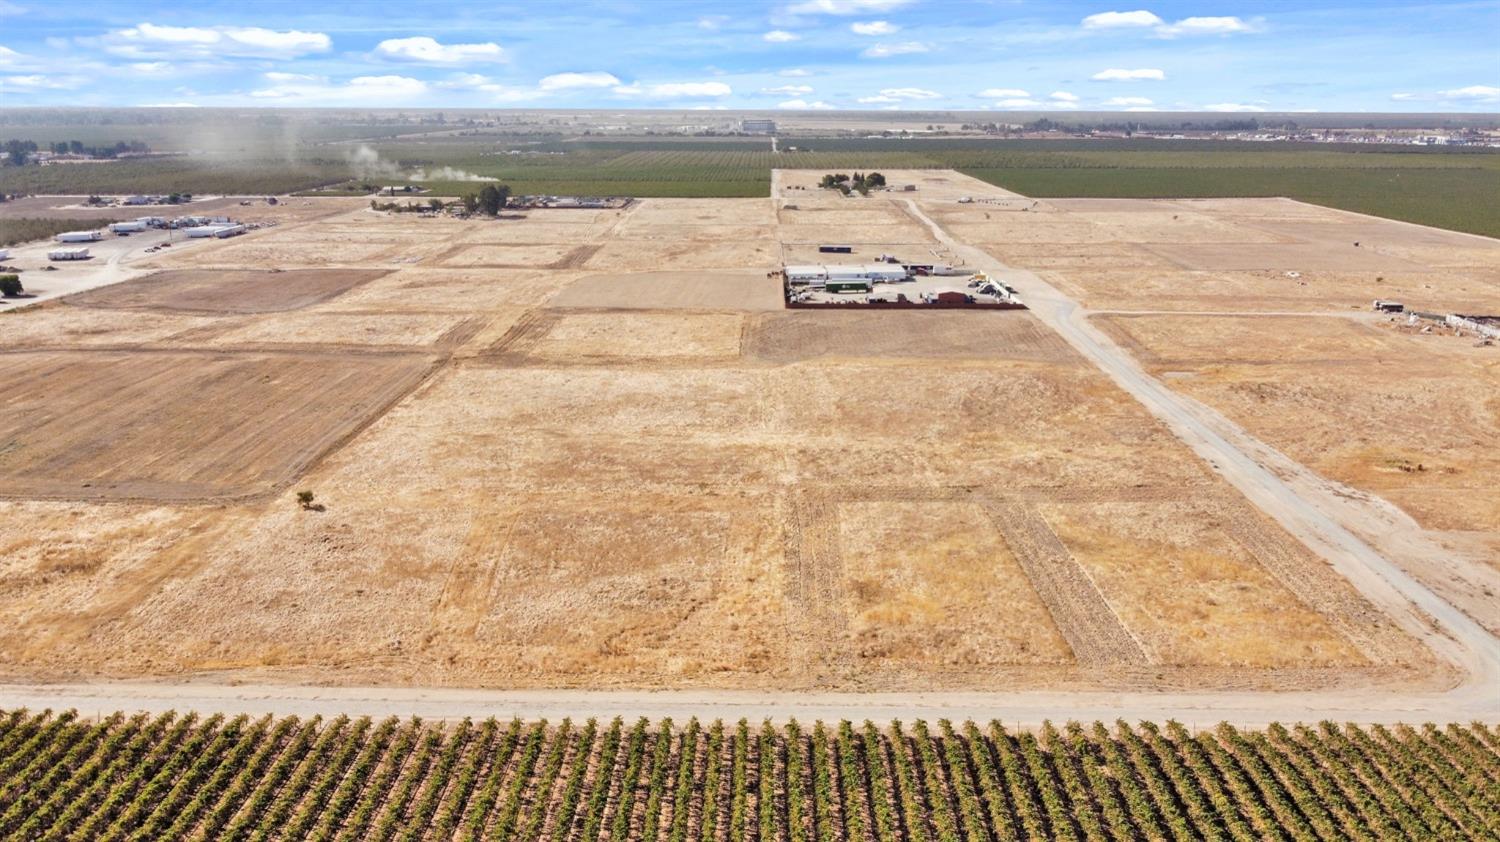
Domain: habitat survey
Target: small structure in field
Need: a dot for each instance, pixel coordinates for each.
(79, 237)
(68, 254)
(1385, 306)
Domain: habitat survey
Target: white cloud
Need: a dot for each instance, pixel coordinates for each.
(910, 93)
(1121, 20)
(843, 7)
(37, 82)
(9, 56)
(151, 68)
(1127, 101)
(1404, 97)
(9, 8)
(1018, 102)
(149, 40)
(788, 90)
(1483, 93)
(888, 50)
(794, 72)
(1115, 74)
(875, 100)
(676, 90)
(1063, 96)
(1228, 25)
(803, 105)
(712, 22)
(1142, 108)
(1232, 107)
(874, 27)
(170, 105)
(421, 48)
(1002, 93)
(781, 36)
(318, 90)
(567, 81)
(488, 86)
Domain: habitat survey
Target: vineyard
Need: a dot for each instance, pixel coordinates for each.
(191, 777)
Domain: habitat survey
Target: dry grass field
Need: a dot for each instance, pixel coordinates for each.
(587, 449)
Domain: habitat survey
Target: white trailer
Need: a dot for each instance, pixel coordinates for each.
(221, 231)
(4, 253)
(225, 231)
(79, 237)
(68, 254)
(127, 227)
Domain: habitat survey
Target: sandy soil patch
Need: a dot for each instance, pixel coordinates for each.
(796, 335)
(536, 256)
(721, 289)
(342, 329)
(227, 290)
(102, 425)
(652, 255)
(61, 326)
(693, 213)
(925, 578)
(647, 335)
(440, 289)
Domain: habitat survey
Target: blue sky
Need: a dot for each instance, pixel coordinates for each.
(798, 54)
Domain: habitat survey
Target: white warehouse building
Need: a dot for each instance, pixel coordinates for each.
(821, 273)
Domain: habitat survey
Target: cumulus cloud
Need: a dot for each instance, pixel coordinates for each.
(1142, 19)
(898, 49)
(1482, 93)
(1468, 94)
(804, 105)
(568, 81)
(676, 90)
(788, 90)
(38, 82)
(1063, 96)
(9, 8)
(8, 56)
(781, 36)
(910, 93)
(494, 90)
(427, 50)
(842, 7)
(1227, 25)
(1232, 107)
(874, 27)
(1122, 20)
(1127, 101)
(794, 72)
(1018, 102)
(1002, 93)
(149, 40)
(1116, 74)
(296, 88)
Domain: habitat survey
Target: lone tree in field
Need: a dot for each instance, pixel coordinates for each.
(305, 499)
(492, 198)
(10, 286)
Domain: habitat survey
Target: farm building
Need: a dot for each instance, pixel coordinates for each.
(68, 254)
(219, 231)
(815, 273)
(806, 274)
(847, 286)
(79, 237)
(127, 227)
(758, 126)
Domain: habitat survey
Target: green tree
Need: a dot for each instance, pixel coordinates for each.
(435, 204)
(10, 286)
(471, 202)
(492, 199)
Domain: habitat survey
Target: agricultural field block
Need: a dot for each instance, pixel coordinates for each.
(613, 335)
(535, 256)
(719, 289)
(58, 325)
(793, 336)
(227, 290)
(357, 329)
(652, 255)
(180, 426)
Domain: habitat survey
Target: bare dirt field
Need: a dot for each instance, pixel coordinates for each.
(626, 467)
(227, 290)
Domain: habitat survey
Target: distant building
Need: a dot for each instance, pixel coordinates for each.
(758, 126)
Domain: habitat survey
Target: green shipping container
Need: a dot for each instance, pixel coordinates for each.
(847, 286)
